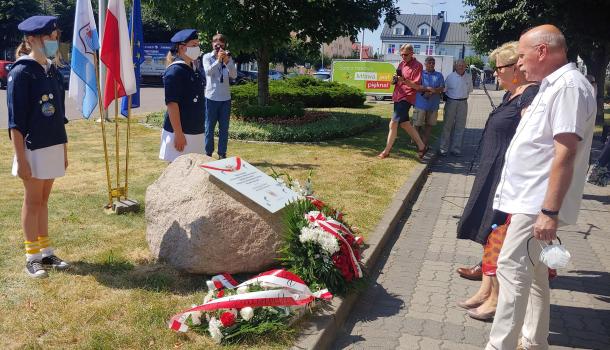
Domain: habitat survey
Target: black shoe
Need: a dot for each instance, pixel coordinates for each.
(442, 153)
(35, 269)
(54, 262)
(222, 156)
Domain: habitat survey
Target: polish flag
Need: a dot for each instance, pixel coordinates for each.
(116, 54)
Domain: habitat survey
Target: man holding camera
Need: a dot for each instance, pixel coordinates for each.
(219, 68)
(406, 84)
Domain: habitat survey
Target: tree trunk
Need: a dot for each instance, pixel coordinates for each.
(597, 60)
(262, 59)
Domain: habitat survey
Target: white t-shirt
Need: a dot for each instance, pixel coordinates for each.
(458, 86)
(565, 104)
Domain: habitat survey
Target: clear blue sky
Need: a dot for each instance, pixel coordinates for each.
(454, 12)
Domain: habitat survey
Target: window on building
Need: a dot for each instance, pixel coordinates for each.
(416, 49)
(423, 31)
(398, 30)
(391, 48)
(429, 49)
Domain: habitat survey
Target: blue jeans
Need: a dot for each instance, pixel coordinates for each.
(217, 111)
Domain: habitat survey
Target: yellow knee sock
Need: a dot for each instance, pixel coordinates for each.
(32, 250)
(45, 242)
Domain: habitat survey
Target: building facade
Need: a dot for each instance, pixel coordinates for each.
(428, 37)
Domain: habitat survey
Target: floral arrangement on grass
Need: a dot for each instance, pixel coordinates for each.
(265, 305)
(320, 252)
(319, 245)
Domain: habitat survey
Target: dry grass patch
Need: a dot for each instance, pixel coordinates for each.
(116, 296)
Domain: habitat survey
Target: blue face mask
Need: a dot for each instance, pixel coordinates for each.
(50, 48)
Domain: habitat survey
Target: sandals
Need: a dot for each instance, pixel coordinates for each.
(422, 152)
(383, 155)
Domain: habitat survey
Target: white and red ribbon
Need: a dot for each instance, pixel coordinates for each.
(221, 281)
(293, 292)
(229, 169)
(335, 228)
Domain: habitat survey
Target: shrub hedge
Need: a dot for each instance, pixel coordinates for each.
(337, 125)
(305, 90)
(250, 112)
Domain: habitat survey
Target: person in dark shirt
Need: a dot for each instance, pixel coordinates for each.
(36, 118)
(478, 216)
(183, 127)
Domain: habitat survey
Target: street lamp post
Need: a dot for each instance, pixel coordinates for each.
(431, 14)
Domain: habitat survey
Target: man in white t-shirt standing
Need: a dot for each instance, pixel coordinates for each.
(541, 185)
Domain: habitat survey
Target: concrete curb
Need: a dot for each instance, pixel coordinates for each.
(319, 330)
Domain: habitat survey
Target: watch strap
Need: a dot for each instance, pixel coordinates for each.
(549, 212)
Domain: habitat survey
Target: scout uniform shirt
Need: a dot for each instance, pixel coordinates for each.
(36, 103)
(185, 86)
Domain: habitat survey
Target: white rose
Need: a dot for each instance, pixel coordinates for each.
(247, 313)
(242, 290)
(196, 318)
(208, 297)
(214, 329)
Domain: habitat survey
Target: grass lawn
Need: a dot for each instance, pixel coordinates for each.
(116, 296)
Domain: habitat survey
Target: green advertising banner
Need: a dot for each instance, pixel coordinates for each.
(370, 77)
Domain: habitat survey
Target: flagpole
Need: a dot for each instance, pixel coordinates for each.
(116, 137)
(99, 103)
(129, 112)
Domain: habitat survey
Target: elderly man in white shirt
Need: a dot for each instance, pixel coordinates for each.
(541, 185)
(458, 86)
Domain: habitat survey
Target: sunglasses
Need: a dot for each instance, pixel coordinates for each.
(505, 66)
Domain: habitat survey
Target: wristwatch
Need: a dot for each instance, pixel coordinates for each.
(549, 212)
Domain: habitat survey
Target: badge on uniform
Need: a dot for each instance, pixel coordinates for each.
(47, 108)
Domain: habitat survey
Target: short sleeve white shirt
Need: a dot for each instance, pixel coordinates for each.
(565, 103)
(458, 86)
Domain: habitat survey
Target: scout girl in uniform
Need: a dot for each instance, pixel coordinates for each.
(36, 114)
(184, 97)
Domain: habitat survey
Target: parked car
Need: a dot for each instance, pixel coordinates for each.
(275, 75)
(5, 66)
(322, 74)
(65, 72)
(242, 78)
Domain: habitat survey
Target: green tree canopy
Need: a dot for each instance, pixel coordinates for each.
(263, 26)
(12, 12)
(584, 23)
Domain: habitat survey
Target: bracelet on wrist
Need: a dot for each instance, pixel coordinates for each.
(549, 212)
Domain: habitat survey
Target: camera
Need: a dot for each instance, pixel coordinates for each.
(395, 78)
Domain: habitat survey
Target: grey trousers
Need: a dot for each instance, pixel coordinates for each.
(454, 122)
(524, 298)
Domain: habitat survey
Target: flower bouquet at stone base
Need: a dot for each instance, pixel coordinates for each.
(265, 305)
(319, 245)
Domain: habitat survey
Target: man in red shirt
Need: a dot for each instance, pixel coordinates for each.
(407, 84)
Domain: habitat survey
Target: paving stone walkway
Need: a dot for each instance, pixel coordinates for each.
(411, 303)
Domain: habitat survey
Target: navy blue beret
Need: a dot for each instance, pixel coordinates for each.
(184, 35)
(38, 25)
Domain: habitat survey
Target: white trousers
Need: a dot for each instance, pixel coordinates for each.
(524, 299)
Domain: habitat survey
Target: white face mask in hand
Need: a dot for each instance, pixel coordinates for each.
(193, 52)
(555, 256)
